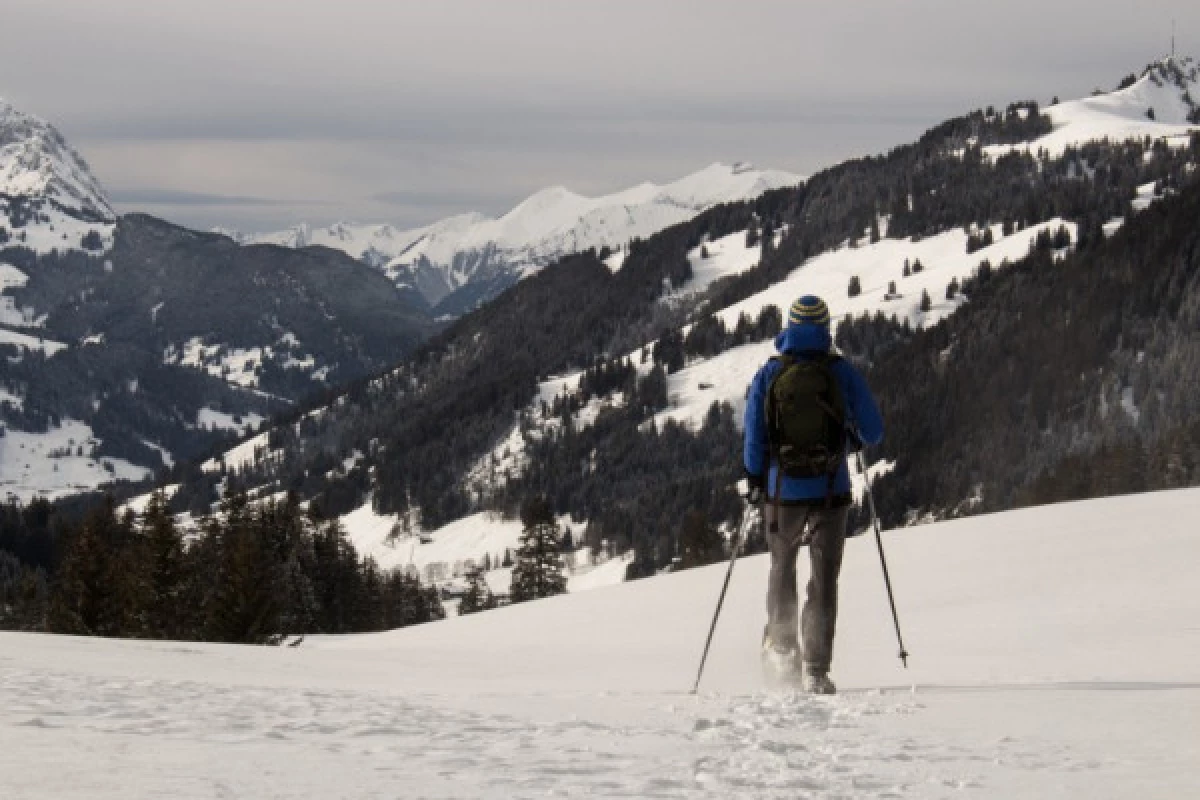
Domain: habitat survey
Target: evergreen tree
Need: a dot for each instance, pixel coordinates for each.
(246, 605)
(93, 592)
(926, 302)
(164, 570)
(855, 287)
(478, 596)
(539, 570)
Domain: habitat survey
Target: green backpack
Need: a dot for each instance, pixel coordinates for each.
(806, 417)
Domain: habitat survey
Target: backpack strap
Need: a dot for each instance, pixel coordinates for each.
(784, 360)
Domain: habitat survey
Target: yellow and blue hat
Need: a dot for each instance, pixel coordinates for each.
(809, 310)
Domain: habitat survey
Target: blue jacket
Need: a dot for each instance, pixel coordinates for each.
(861, 410)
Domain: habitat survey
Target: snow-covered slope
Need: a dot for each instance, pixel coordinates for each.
(1053, 655)
(449, 254)
(944, 258)
(49, 199)
(59, 462)
(1169, 90)
(442, 556)
(724, 377)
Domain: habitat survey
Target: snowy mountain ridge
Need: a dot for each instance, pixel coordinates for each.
(1162, 103)
(49, 198)
(446, 256)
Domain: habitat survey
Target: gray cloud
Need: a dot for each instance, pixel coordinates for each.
(405, 112)
(440, 199)
(177, 197)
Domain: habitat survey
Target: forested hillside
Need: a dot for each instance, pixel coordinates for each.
(159, 348)
(420, 429)
(1056, 358)
(1061, 379)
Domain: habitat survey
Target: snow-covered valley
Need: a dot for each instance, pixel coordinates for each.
(1053, 651)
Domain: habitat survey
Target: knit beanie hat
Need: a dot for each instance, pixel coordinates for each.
(809, 310)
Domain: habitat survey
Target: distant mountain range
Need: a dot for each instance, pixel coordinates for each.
(133, 344)
(128, 344)
(462, 261)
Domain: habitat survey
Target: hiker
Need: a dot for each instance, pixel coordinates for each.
(806, 409)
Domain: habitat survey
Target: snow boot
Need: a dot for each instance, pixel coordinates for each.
(781, 660)
(816, 681)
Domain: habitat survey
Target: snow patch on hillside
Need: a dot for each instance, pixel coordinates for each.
(12, 399)
(27, 342)
(236, 365)
(441, 557)
(944, 258)
(220, 420)
(240, 456)
(57, 463)
(720, 258)
(10, 313)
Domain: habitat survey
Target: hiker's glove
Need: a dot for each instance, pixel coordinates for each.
(756, 485)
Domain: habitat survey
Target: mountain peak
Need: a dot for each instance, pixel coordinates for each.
(1181, 72)
(37, 163)
(444, 257)
(49, 199)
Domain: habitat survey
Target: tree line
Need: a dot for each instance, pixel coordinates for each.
(255, 573)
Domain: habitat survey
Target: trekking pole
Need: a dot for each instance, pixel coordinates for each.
(882, 561)
(743, 530)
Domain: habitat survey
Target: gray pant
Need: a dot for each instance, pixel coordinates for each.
(825, 532)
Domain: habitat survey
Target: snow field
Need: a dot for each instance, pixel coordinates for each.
(726, 256)
(1116, 116)
(212, 418)
(63, 233)
(235, 365)
(241, 455)
(49, 464)
(1053, 655)
(441, 556)
(28, 342)
(725, 377)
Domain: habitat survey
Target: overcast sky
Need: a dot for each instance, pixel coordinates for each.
(257, 114)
